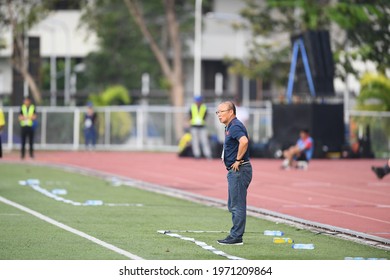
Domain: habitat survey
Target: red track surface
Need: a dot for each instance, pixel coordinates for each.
(342, 193)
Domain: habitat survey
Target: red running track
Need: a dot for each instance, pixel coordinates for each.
(342, 193)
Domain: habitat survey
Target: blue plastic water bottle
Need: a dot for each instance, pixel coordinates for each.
(31, 182)
(59, 191)
(93, 202)
(273, 233)
(303, 246)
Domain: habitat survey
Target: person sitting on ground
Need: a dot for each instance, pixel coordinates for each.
(302, 151)
(185, 149)
(380, 171)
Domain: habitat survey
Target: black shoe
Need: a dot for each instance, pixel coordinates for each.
(379, 171)
(230, 241)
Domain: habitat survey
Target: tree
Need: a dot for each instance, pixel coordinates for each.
(114, 95)
(270, 22)
(123, 55)
(133, 35)
(19, 16)
(374, 96)
(374, 93)
(132, 43)
(173, 72)
(366, 25)
(121, 123)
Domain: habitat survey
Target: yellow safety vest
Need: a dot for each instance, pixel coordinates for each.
(198, 114)
(29, 113)
(2, 120)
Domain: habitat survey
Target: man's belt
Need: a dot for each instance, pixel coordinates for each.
(243, 163)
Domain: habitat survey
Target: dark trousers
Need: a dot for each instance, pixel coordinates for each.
(27, 132)
(90, 136)
(238, 183)
(1, 148)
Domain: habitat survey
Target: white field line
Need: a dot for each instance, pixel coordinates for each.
(35, 186)
(70, 229)
(201, 244)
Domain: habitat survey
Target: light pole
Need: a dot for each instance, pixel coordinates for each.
(53, 72)
(73, 82)
(68, 54)
(198, 48)
(53, 65)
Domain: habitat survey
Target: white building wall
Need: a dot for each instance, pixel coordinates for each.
(62, 35)
(5, 65)
(228, 6)
(5, 76)
(219, 39)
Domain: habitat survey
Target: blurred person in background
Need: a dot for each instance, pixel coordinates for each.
(90, 122)
(197, 119)
(381, 171)
(301, 152)
(242, 112)
(27, 118)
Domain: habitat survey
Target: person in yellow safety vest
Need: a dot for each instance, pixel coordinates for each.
(198, 114)
(2, 124)
(27, 116)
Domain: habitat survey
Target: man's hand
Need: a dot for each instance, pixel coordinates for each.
(236, 165)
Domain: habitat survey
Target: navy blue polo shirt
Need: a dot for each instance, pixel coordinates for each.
(233, 132)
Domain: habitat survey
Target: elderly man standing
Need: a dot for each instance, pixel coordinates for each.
(236, 159)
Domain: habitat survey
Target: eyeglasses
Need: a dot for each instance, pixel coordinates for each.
(218, 112)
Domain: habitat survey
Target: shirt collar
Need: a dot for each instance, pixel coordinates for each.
(230, 124)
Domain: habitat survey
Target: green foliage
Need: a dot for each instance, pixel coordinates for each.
(366, 25)
(124, 55)
(367, 28)
(121, 123)
(25, 13)
(374, 87)
(60, 68)
(375, 96)
(113, 95)
(269, 58)
(300, 15)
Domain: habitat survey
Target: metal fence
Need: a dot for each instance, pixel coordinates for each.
(153, 128)
(122, 127)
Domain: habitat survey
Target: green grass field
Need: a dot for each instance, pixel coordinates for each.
(133, 228)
